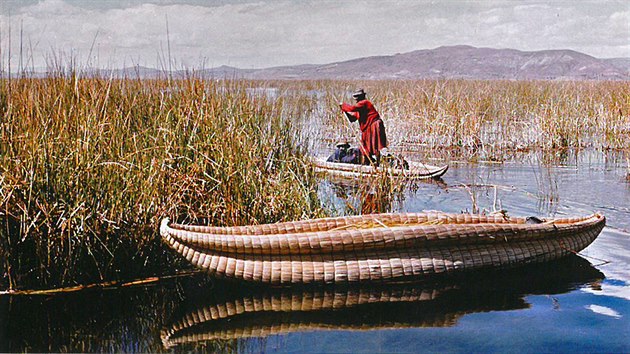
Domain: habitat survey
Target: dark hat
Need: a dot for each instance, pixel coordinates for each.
(358, 93)
(343, 145)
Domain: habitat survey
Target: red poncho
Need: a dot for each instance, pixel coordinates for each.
(373, 137)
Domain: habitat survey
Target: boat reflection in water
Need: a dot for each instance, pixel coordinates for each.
(231, 311)
(371, 196)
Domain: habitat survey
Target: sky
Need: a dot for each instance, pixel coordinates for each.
(196, 34)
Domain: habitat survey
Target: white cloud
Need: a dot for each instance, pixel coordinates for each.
(603, 310)
(621, 19)
(51, 8)
(269, 33)
(620, 291)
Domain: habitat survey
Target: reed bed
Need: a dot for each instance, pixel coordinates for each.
(90, 165)
(488, 118)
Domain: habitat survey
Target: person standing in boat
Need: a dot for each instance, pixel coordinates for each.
(373, 137)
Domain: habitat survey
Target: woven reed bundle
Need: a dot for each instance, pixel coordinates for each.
(315, 300)
(416, 170)
(330, 224)
(538, 242)
(376, 231)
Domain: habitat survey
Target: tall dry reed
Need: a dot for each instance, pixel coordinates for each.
(89, 166)
(492, 117)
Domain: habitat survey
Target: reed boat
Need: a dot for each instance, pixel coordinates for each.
(416, 171)
(238, 311)
(377, 247)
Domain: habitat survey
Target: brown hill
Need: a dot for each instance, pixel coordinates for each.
(623, 64)
(454, 62)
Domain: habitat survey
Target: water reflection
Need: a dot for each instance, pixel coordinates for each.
(537, 183)
(371, 195)
(89, 321)
(236, 312)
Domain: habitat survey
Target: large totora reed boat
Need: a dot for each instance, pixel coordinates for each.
(416, 171)
(377, 247)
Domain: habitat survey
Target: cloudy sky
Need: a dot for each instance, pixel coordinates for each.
(263, 33)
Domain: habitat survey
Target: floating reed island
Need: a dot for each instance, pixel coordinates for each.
(377, 247)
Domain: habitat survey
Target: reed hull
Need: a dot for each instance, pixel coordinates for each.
(283, 255)
(416, 171)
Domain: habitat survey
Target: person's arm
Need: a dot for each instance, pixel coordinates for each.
(350, 108)
(351, 112)
(352, 116)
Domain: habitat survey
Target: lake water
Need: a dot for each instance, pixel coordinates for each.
(578, 304)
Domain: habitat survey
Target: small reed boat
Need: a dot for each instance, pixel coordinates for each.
(377, 247)
(416, 170)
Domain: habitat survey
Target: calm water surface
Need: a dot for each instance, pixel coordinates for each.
(581, 303)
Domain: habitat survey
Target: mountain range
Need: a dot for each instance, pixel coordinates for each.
(450, 62)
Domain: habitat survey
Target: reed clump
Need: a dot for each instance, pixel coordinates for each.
(491, 118)
(90, 165)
